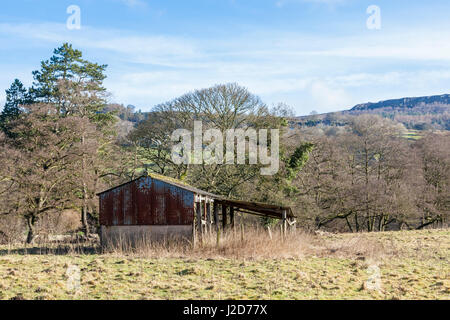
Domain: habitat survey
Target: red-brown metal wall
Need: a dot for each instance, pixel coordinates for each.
(146, 201)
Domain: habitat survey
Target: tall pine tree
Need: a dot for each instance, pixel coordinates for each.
(16, 97)
(74, 86)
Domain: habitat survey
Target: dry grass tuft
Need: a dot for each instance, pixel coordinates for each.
(68, 247)
(257, 244)
(234, 244)
(253, 244)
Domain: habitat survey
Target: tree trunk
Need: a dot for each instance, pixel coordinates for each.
(85, 224)
(366, 173)
(348, 223)
(30, 225)
(84, 209)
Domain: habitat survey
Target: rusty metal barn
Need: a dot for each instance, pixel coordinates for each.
(155, 207)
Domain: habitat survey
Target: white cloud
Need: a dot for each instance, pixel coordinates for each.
(321, 73)
(273, 48)
(328, 98)
(323, 94)
(147, 49)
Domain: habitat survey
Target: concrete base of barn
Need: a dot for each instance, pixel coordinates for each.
(135, 236)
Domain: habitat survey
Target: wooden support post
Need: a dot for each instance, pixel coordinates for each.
(232, 217)
(224, 217)
(194, 227)
(216, 215)
(198, 212)
(205, 220)
(284, 216)
(208, 217)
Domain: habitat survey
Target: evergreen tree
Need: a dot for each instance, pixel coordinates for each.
(16, 96)
(74, 86)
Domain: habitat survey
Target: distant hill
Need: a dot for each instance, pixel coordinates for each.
(419, 113)
(427, 104)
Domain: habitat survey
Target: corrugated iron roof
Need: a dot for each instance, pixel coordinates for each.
(182, 185)
(172, 181)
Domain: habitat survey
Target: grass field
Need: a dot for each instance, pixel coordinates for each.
(390, 265)
(412, 135)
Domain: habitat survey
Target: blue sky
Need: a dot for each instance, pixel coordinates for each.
(310, 54)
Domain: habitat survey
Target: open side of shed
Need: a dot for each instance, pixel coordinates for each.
(221, 214)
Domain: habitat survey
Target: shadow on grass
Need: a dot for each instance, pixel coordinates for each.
(57, 250)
